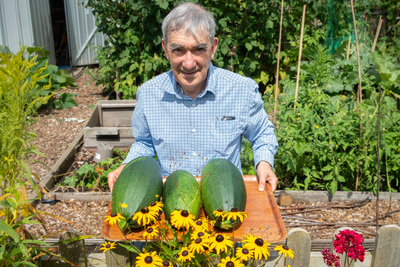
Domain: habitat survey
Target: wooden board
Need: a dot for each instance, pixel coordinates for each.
(264, 218)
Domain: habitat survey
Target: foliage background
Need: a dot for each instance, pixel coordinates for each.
(330, 156)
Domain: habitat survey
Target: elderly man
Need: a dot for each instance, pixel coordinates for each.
(197, 112)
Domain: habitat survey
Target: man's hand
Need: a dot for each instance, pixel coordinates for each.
(113, 176)
(266, 174)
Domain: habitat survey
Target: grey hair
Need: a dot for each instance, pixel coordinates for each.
(191, 17)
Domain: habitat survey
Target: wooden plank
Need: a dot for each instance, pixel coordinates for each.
(387, 247)
(300, 242)
(117, 117)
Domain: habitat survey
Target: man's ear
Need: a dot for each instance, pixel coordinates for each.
(214, 47)
(165, 49)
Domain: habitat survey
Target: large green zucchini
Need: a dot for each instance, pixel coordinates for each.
(222, 187)
(138, 185)
(181, 192)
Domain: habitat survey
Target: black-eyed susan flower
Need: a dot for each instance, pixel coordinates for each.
(156, 207)
(167, 264)
(197, 234)
(286, 251)
(148, 260)
(199, 245)
(244, 254)
(151, 232)
(144, 216)
(114, 218)
(182, 219)
(185, 255)
(258, 245)
(202, 224)
(235, 214)
(230, 262)
(219, 213)
(220, 242)
(107, 246)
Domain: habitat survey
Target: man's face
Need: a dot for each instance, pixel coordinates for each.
(190, 59)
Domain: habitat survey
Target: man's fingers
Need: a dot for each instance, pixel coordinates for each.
(261, 184)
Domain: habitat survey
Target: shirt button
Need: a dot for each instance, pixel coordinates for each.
(193, 105)
(193, 130)
(194, 154)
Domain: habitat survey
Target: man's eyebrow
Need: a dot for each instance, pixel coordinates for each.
(175, 46)
(201, 46)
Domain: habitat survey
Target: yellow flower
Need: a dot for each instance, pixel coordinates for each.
(151, 232)
(258, 245)
(156, 207)
(220, 243)
(219, 213)
(244, 254)
(196, 234)
(114, 218)
(167, 264)
(285, 251)
(107, 246)
(201, 224)
(148, 260)
(230, 262)
(182, 219)
(185, 255)
(199, 245)
(145, 216)
(235, 214)
(123, 205)
(317, 126)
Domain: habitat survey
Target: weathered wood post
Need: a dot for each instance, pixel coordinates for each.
(387, 247)
(299, 240)
(75, 251)
(119, 256)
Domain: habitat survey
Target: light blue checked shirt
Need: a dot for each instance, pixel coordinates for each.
(186, 133)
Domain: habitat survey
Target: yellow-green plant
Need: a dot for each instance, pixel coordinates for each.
(20, 97)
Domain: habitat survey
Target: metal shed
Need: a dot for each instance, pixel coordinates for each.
(64, 27)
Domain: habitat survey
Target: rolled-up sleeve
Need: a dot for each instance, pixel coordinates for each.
(260, 131)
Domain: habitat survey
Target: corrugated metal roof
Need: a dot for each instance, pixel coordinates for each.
(83, 36)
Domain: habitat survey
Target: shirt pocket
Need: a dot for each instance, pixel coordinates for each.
(226, 126)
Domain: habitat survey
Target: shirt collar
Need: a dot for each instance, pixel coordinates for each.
(173, 87)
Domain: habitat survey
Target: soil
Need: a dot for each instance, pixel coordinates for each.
(55, 129)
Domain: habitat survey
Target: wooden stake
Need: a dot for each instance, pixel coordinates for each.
(299, 63)
(348, 48)
(277, 65)
(359, 92)
(377, 34)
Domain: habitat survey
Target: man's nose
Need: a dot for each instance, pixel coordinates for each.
(189, 61)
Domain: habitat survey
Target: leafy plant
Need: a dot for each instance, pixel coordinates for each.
(64, 101)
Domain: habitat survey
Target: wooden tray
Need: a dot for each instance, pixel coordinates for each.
(264, 218)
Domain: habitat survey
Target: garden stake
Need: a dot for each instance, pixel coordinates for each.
(377, 34)
(378, 159)
(348, 48)
(359, 93)
(299, 63)
(277, 65)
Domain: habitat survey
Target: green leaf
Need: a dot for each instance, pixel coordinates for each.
(9, 231)
(269, 24)
(248, 46)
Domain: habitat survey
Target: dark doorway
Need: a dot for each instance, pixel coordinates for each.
(60, 33)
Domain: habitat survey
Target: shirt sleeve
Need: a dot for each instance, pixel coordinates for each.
(260, 131)
(143, 145)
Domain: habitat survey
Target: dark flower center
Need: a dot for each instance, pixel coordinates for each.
(200, 234)
(285, 247)
(185, 253)
(219, 238)
(153, 204)
(150, 230)
(144, 210)
(148, 259)
(234, 210)
(245, 251)
(205, 248)
(184, 213)
(108, 246)
(199, 222)
(198, 240)
(165, 263)
(220, 210)
(229, 264)
(259, 242)
(113, 214)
